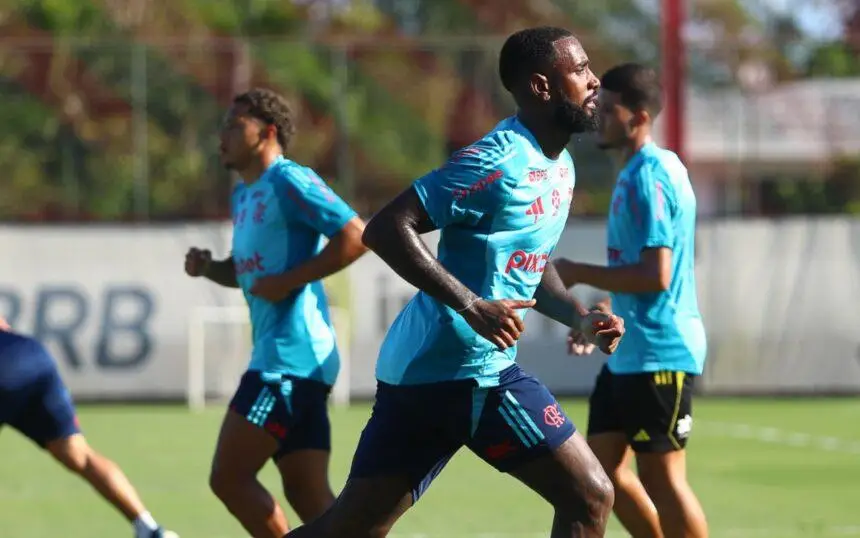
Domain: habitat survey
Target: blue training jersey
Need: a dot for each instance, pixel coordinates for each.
(278, 223)
(501, 206)
(654, 206)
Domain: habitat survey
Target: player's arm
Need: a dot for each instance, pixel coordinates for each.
(305, 197)
(222, 272)
(653, 273)
(394, 235)
(444, 197)
(653, 233)
(555, 302)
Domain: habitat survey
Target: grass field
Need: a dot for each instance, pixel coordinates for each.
(763, 468)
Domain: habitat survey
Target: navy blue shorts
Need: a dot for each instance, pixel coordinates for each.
(415, 429)
(33, 398)
(293, 411)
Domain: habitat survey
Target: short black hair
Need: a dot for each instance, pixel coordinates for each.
(638, 86)
(271, 108)
(528, 51)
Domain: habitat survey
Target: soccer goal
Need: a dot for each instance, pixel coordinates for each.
(219, 348)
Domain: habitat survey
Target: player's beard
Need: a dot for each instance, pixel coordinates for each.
(575, 118)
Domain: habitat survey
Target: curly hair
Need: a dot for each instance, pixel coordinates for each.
(528, 51)
(272, 109)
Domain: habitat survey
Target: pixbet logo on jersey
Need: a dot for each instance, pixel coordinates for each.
(530, 262)
(249, 265)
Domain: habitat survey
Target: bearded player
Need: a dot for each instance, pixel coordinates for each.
(447, 374)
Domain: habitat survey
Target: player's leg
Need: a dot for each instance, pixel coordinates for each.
(108, 480)
(607, 439)
(244, 446)
(523, 431)
(48, 418)
(404, 446)
(303, 457)
(664, 404)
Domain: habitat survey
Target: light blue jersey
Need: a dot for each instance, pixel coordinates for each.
(501, 206)
(278, 223)
(654, 206)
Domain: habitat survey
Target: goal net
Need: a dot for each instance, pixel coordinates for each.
(219, 348)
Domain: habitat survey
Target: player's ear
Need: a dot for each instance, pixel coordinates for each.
(539, 86)
(271, 132)
(640, 118)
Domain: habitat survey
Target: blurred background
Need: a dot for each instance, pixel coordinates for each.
(108, 155)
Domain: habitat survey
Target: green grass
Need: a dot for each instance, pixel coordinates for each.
(754, 482)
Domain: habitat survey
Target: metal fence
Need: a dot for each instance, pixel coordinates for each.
(119, 130)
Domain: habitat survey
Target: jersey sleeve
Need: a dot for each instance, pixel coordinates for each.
(306, 198)
(467, 187)
(651, 207)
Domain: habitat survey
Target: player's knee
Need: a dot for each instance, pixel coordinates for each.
(72, 452)
(622, 477)
(597, 496)
(223, 483)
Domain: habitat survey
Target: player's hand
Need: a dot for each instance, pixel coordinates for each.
(603, 329)
(272, 288)
(4, 325)
(197, 262)
(497, 321)
(578, 344)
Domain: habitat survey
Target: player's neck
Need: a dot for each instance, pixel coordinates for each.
(635, 146)
(257, 167)
(551, 140)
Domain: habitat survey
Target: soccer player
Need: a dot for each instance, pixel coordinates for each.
(35, 401)
(281, 211)
(447, 375)
(642, 396)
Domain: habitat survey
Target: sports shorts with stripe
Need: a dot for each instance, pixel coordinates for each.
(292, 410)
(414, 430)
(654, 410)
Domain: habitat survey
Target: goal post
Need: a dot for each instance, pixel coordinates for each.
(231, 356)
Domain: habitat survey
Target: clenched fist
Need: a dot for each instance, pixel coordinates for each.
(197, 262)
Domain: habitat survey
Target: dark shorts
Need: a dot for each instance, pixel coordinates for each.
(414, 430)
(654, 410)
(33, 398)
(293, 411)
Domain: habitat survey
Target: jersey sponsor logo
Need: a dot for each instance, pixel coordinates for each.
(530, 262)
(536, 209)
(536, 176)
(556, 202)
(480, 185)
(256, 195)
(684, 426)
(564, 173)
(252, 264)
(239, 218)
(553, 416)
(259, 212)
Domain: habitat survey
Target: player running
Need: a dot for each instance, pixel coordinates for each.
(35, 401)
(642, 397)
(447, 375)
(281, 210)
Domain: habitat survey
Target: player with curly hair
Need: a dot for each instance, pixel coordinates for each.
(281, 211)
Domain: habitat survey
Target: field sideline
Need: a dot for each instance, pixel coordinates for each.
(763, 469)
